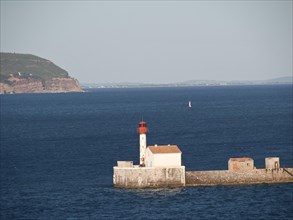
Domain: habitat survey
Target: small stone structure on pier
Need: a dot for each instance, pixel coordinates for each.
(236, 164)
(272, 163)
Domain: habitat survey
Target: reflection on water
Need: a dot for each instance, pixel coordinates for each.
(153, 193)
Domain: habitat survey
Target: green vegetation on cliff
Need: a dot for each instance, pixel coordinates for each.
(28, 66)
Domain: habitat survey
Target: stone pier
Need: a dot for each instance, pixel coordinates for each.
(148, 177)
(226, 177)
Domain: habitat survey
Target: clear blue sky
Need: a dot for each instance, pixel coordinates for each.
(154, 41)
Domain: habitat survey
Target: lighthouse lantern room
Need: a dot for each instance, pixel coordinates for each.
(142, 130)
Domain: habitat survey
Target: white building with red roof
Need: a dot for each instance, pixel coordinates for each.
(163, 156)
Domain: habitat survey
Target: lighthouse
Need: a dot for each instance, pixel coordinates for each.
(142, 130)
(159, 166)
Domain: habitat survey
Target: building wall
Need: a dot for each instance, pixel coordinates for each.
(162, 160)
(224, 177)
(125, 163)
(235, 165)
(148, 177)
(149, 158)
(165, 160)
(272, 162)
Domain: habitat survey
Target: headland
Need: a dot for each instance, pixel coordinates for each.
(25, 73)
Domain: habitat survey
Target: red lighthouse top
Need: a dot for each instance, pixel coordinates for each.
(142, 128)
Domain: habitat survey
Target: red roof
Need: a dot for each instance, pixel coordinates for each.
(242, 159)
(164, 149)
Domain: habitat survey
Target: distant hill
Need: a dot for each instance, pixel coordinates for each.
(27, 65)
(26, 73)
(285, 79)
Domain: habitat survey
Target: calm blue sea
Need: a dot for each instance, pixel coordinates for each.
(58, 150)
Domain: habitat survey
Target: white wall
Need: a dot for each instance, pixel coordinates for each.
(149, 158)
(162, 160)
(169, 159)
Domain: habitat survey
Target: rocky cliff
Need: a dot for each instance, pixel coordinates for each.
(24, 73)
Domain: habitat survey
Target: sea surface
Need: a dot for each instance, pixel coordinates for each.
(58, 151)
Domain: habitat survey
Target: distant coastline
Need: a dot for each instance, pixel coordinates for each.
(287, 80)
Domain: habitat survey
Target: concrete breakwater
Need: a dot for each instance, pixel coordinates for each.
(148, 177)
(161, 166)
(162, 177)
(226, 177)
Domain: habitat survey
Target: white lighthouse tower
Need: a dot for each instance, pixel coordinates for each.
(142, 130)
